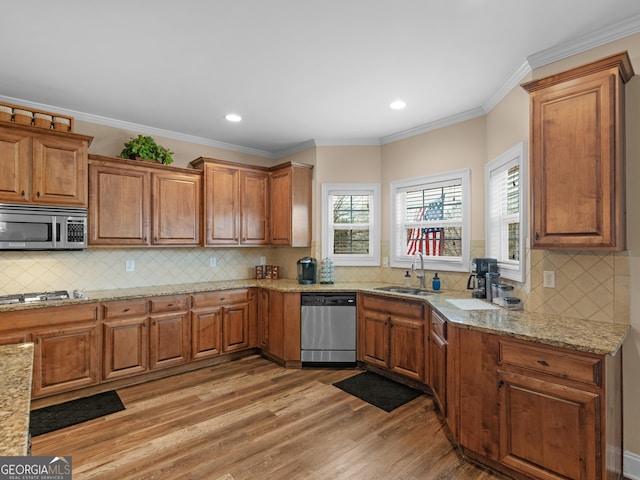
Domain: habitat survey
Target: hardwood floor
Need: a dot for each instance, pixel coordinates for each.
(251, 419)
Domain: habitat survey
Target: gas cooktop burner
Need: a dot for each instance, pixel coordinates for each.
(34, 297)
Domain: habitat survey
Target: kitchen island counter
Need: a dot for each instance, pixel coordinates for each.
(16, 364)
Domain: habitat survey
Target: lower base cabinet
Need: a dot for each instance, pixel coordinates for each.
(539, 411)
(282, 342)
(392, 335)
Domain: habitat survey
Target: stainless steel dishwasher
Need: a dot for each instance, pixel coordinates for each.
(328, 330)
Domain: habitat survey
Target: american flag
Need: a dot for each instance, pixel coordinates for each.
(427, 240)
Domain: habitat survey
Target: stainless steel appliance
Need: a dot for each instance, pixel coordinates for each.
(33, 227)
(307, 268)
(478, 278)
(34, 297)
(328, 329)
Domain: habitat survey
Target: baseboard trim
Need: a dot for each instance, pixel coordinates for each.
(631, 464)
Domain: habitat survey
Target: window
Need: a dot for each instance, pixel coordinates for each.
(350, 223)
(430, 215)
(505, 189)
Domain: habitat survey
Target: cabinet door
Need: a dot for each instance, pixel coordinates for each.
(407, 347)
(376, 338)
(438, 371)
(235, 327)
(118, 206)
(573, 164)
(65, 358)
(15, 165)
(176, 209)
(126, 347)
(281, 207)
(254, 199)
(222, 209)
(206, 332)
(168, 340)
(59, 171)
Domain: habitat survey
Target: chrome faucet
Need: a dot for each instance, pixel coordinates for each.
(420, 275)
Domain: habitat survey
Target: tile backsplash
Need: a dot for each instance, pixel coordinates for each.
(589, 285)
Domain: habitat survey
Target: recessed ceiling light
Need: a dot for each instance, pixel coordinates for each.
(233, 117)
(398, 105)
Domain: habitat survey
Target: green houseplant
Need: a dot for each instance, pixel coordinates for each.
(146, 147)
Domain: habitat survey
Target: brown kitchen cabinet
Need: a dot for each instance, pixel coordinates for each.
(43, 167)
(222, 322)
(437, 364)
(290, 202)
(283, 341)
(66, 345)
(539, 411)
(391, 335)
(142, 335)
(236, 203)
(577, 157)
(134, 204)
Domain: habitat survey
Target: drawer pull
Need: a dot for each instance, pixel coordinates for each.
(170, 305)
(543, 363)
(125, 310)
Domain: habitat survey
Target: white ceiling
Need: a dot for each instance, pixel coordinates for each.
(296, 70)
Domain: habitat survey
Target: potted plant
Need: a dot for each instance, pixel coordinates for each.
(145, 147)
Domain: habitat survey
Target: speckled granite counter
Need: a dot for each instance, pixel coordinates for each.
(583, 335)
(16, 364)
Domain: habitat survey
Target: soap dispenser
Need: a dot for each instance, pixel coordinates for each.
(435, 283)
(407, 279)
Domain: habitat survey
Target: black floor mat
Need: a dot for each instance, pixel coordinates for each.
(65, 414)
(378, 390)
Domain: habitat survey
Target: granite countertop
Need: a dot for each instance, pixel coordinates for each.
(577, 334)
(16, 364)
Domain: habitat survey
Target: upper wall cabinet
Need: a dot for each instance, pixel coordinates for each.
(247, 205)
(291, 205)
(42, 167)
(236, 203)
(577, 157)
(138, 203)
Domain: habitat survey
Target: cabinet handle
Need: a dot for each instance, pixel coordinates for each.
(500, 384)
(125, 310)
(543, 363)
(170, 305)
(37, 340)
(537, 236)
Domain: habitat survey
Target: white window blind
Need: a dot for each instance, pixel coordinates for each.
(504, 212)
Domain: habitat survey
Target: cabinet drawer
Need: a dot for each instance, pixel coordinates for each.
(169, 304)
(438, 325)
(570, 366)
(125, 308)
(402, 308)
(220, 297)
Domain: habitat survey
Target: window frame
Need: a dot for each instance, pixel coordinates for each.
(457, 264)
(516, 155)
(353, 260)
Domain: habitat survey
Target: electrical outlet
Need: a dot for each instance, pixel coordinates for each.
(385, 261)
(263, 260)
(213, 261)
(549, 279)
(130, 266)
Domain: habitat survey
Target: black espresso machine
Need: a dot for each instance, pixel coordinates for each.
(477, 282)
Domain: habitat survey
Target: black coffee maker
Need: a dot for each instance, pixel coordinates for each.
(478, 278)
(307, 268)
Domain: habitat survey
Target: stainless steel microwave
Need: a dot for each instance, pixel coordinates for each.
(33, 227)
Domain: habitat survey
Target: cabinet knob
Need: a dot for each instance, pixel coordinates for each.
(170, 305)
(537, 236)
(22, 193)
(500, 384)
(126, 310)
(38, 194)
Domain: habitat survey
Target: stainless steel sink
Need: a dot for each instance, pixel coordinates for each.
(411, 291)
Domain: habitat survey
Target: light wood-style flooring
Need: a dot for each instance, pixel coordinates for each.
(252, 419)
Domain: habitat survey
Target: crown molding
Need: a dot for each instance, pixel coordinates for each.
(435, 125)
(597, 38)
(136, 127)
(513, 81)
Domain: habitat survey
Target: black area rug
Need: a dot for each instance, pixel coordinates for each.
(378, 390)
(65, 414)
